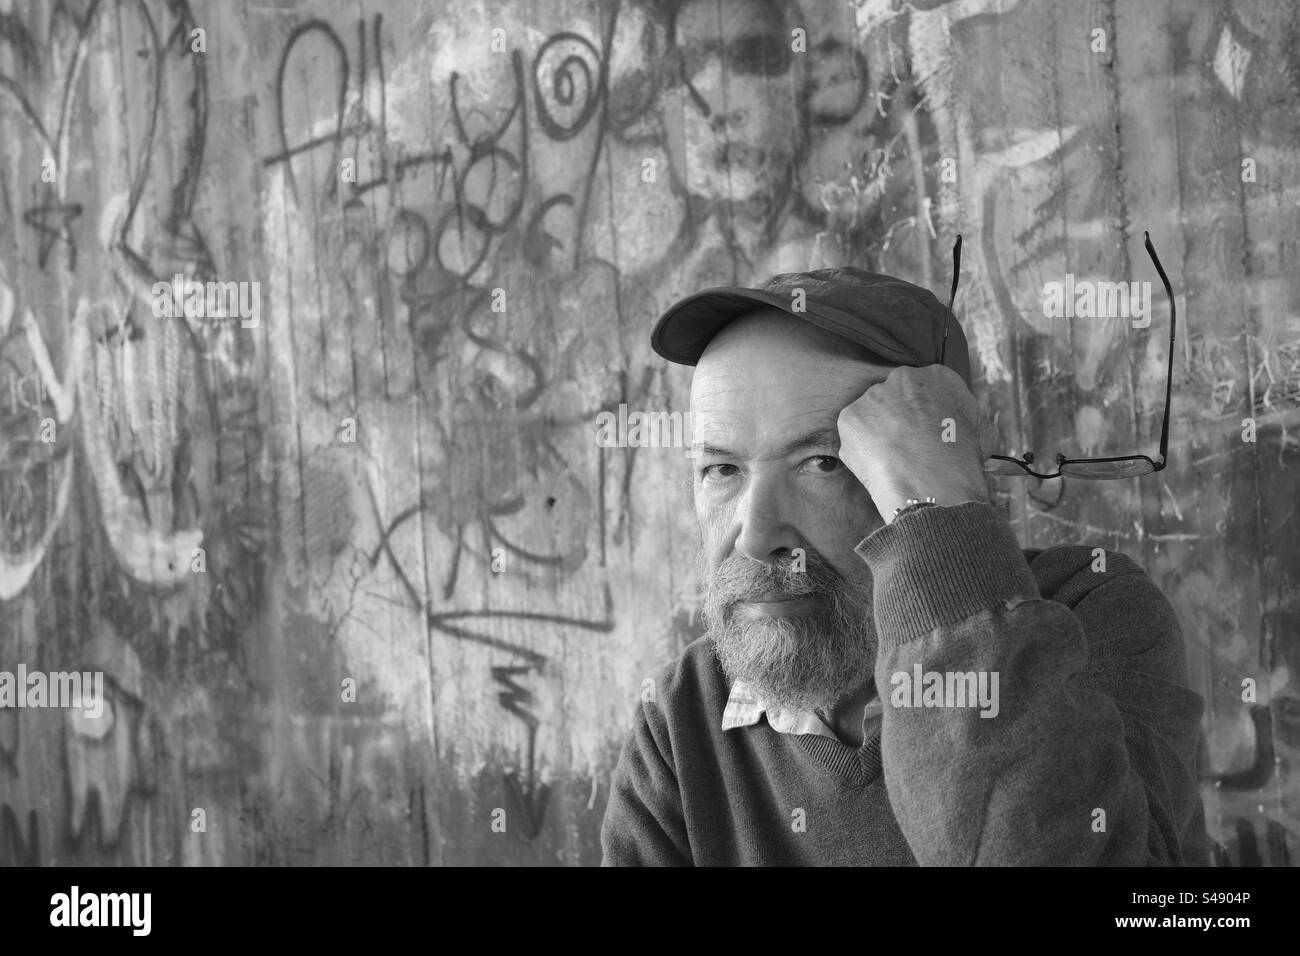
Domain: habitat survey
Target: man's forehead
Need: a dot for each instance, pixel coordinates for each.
(775, 393)
(769, 355)
(744, 433)
(769, 378)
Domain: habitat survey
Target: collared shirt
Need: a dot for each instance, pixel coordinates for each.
(744, 708)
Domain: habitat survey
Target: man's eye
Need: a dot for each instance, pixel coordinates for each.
(826, 464)
(715, 473)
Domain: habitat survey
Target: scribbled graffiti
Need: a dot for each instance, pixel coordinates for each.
(37, 475)
(131, 406)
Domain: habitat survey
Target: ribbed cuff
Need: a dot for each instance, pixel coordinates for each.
(937, 566)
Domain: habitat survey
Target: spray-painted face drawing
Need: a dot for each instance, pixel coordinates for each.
(734, 54)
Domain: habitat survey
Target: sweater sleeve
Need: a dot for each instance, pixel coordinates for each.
(1084, 751)
(643, 824)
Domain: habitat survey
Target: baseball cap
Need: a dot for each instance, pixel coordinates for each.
(895, 319)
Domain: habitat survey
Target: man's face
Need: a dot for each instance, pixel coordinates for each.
(764, 403)
(734, 54)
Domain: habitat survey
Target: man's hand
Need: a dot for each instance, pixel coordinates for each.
(918, 434)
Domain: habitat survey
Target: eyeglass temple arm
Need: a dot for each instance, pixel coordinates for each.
(952, 297)
(1169, 374)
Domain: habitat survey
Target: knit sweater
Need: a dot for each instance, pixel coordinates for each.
(1090, 758)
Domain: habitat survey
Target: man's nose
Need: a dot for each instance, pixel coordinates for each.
(763, 513)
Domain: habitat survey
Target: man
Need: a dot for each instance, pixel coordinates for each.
(886, 679)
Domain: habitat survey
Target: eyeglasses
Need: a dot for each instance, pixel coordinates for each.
(1097, 469)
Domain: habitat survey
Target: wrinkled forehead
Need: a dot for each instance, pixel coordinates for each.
(768, 369)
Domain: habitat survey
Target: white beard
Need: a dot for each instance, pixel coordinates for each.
(799, 662)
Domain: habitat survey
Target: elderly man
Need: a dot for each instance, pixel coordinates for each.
(887, 677)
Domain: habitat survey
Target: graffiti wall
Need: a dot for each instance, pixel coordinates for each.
(308, 312)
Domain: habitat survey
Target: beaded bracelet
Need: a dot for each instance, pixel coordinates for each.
(913, 504)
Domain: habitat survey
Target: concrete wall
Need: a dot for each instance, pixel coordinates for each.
(426, 599)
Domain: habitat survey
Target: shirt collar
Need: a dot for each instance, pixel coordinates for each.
(744, 708)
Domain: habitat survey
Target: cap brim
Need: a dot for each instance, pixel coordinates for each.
(683, 332)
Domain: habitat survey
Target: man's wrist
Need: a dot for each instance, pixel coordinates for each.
(910, 505)
(897, 506)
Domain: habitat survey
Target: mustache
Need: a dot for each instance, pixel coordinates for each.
(739, 579)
